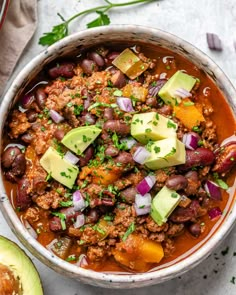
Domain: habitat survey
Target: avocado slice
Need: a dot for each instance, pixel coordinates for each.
(78, 139)
(177, 81)
(130, 64)
(152, 126)
(165, 153)
(163, 204)
(18, 274)
(59, 168)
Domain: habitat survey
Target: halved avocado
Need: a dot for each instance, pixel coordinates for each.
(18, 274)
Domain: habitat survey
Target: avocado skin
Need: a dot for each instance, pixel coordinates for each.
(12, 256)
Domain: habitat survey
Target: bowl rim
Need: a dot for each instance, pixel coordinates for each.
(80, 273)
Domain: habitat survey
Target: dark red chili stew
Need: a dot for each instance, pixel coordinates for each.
(120, 159)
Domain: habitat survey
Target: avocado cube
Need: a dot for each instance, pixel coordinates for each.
(177, 81)
(163, 204)
(78, 139)
(152, 126)
(165, 153)
(59, 168)
(130, 64)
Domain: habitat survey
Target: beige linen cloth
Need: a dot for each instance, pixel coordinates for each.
(17, 30)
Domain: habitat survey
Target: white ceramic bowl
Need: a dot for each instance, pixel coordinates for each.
(73, 44)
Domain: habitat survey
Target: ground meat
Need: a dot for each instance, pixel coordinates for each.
(96, 253)
(94, 192)
(68, 113)
(152, 226)
(122, 183)
(124, 214)
(168, 247)
(98, 80)
(90, 236)
(32, 214)
(175, 229)
(162, 175)
(209, 135)
(157, 237)
(19, 124)
(49, 200)
(74, 232)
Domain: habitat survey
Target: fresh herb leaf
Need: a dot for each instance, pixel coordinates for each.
(66, 204)
(62, 30)
(129, 231)
(62, 217)
(102, 20)
(171, 124)
(222, 184)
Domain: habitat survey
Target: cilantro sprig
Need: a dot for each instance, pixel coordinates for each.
(62, 30)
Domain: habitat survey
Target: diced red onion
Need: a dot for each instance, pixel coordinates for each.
(183, 93)
(153, 90)
(70, 157)
(165, 58)
(80, 220)
(129, 141)
(82, 261)
(51, 245)
(20, 146)
(146, 184)
(141, 155)
(39, 83)
(214, 213)
(143, 201)
(230, 139)
(30, 229)
(78, 201)
(214, 42)
(125, 104)
(89, 118)
(213, 190)
(163, 76)
(27, 100)
(142, 211)
(57, 118)
(190, 140)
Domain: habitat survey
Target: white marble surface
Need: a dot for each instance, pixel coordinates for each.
(189, 20)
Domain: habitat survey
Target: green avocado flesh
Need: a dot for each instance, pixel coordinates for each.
(78, 139)
(152, 126)
(59, 168)
(14, 259)
(163, 205)
(177, 81)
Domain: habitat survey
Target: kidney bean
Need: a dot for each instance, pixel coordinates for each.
(97, 58)
(88, 118)
(92, 216)
(199, 157)
(151, 101)
(225, 159)
(88, 66)
(27, 137)
(118, 79)
(108, 202)
(124, 158)
(176, 182)
(19, 165)
(128, 195)
(10, 176)
(108, 113)
(165, 110)
(59, 134)
(23, 200)
(65, 69)
(195, 229)
(27, 100)
(32, 116)
(88, 155)
(111, 56)
(111, 151)
(40, 97)
(39, 184)
(192, 175)
(181, 215)
(9, 156)
(117, 126)
(55, 224)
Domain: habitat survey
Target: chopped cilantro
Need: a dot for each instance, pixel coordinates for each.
(71, 258)
(196, 129)
(78, 109)
(188, 103)
(171, 124)
(157, 149)
(129, 231)
(62, 217)
(172, 152)
(174, 195)
(49, 176)
(117, 92)
(66, 204)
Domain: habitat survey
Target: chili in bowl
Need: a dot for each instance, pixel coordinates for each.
(117, 157)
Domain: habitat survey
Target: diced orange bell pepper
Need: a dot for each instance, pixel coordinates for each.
(137, 92)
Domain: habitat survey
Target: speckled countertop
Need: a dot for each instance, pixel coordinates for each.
(189, 20)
